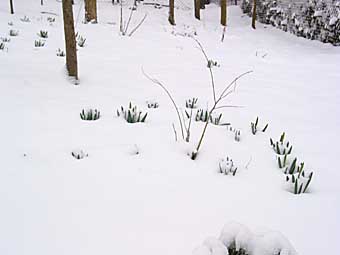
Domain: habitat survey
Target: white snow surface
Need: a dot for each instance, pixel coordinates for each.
(158, 201)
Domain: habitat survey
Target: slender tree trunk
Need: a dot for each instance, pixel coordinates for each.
(223, 12)
(253, 20)
(11, 6)
(197, 4)
(70, 39)
(91, 11)
(42, 2)
(172, 12)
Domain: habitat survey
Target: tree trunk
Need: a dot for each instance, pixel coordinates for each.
(70, 39)
(91, 11)
(11, 6)
(197, 4)
(42, 2)
(253, 20)
(172, 12)
(223, 12)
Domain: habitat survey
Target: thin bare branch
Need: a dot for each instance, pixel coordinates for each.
(233, 83)
(169, 95)
(228, 106)
(209, 66)
(129, 20)
(139, 24)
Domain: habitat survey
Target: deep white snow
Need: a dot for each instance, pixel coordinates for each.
(138, 192)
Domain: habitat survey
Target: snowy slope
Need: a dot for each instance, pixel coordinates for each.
(160, 201)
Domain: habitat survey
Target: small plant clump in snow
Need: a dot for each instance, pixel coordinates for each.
(25, 19)
(79, 154)
(203, 115)
(39, 43)
(5, 39)
(90, 114)
(227, 166)
(212, 63)
(152, 104)
(13, 32)
(50, 19)
(80, 40)
(281, 147)
(60, 53)
(131, 114)
(43, 34)
(2, 46)
(297, 180)
(254, 126)
(191, 103)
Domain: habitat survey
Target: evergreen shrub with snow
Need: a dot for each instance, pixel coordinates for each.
(313, 19)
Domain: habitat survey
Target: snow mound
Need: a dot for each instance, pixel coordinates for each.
(235, 236)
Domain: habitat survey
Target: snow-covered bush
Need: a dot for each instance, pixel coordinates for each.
(39, 43)
(227, 166)
(43, 34)
(254, 126)
(281, 147)
(312, 19)
(90, 114)
(237, 239)
(131, 114)
(13, 32)
(191, 103)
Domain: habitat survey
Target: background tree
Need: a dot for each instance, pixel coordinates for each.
(172, 12)
(11, 6)
(70, 39)
(253, 19)
(91, 11)
(223, 12)
(197, 4)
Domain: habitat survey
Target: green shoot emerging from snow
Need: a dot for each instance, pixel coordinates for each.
(131, 114)
(90, 114)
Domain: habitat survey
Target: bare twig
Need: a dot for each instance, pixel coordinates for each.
(209, 66)
(129, 20)
(169, 95)
(139, 24)
(173, 126)
(249, 162)
(229, 106)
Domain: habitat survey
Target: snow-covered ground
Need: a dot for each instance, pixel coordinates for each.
(138, 192)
